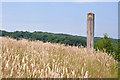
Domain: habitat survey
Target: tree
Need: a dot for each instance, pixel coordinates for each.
(117, 51)
(105, 43)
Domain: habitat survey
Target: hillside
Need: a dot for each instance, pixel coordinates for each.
(51, 37)
(47, 37)
(26, 59)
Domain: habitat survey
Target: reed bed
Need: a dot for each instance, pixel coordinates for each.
(35, 59)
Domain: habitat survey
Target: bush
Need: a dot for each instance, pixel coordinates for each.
(105, 43)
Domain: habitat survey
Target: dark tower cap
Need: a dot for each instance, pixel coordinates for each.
(90, 14)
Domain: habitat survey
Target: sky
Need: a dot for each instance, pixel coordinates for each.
(59, 0)
(119, 21)
(60, 17)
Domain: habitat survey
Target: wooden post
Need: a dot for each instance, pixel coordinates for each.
(90, 31)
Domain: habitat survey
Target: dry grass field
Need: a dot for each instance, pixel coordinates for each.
(35, 59)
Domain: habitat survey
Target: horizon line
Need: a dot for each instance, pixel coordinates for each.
(56, 33)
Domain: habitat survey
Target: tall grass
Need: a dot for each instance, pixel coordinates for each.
(35, 59)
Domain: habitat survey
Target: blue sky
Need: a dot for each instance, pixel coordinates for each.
(60, 17)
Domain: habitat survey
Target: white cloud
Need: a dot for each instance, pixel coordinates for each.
(60, 0)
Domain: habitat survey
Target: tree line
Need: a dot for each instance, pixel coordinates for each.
(47, 37)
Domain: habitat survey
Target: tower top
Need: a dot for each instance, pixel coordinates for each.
(90, 13)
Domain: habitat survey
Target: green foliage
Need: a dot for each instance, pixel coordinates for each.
(108, 45)
(99, 45)
(47, 37)
(117, 50)
(105, 43)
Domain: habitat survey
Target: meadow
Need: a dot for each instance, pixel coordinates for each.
(35, 59)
